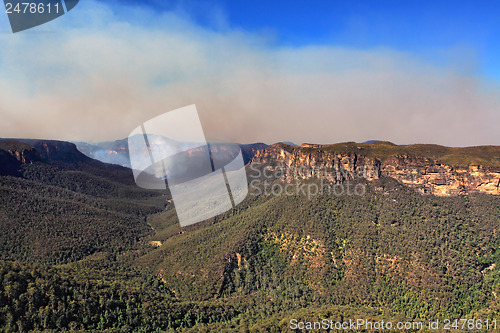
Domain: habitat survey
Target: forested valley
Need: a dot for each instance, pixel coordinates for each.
(84, 249)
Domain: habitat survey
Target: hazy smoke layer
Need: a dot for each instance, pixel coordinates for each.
(115, 68)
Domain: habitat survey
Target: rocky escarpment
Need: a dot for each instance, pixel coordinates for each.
(56, 151)
(433, 177)
(22, 152)
(16, 154)
(310, 161)
(13, 154)
(431, 169)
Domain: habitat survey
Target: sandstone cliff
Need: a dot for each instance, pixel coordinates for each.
(13, 154)
(431, 169)
(22, 152)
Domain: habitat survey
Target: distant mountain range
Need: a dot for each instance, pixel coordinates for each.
(117, 152)
(431, 169)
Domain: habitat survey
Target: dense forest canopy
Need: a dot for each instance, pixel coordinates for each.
(83, 248)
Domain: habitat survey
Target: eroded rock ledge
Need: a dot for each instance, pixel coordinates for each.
(431, 169)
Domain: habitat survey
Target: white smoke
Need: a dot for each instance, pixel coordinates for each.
(100, 71)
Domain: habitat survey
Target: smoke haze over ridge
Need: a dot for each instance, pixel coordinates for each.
(100, 71)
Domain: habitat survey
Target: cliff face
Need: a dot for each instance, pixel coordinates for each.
(298, 163)
(13, 154)
(22, 152)
(27, 156)
(17, 154)
(60, 151)
(427, 172)
(433, 177)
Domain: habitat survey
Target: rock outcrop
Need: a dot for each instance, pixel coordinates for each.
(428, 168)
(22, 152)
(13, 154)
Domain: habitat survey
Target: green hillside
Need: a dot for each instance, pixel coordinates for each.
(60, 210)
(76, 255)
(392, 249)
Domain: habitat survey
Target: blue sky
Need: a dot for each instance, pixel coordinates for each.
(322, 72)
(425, 28)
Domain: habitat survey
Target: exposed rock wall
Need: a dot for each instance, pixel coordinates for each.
(427, 175)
